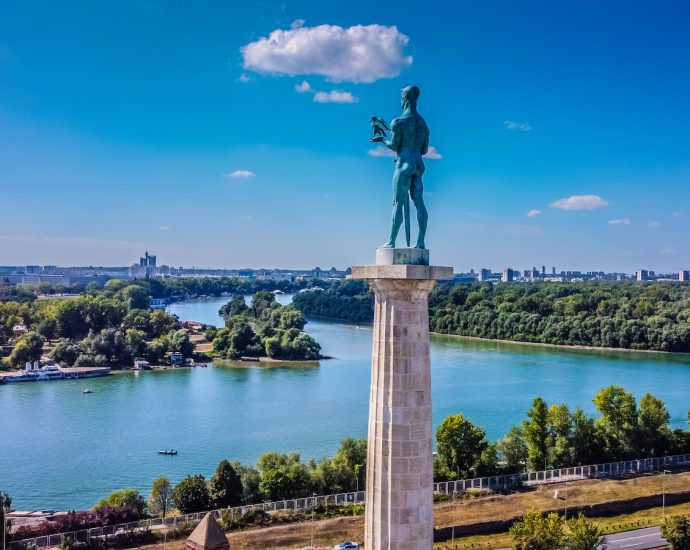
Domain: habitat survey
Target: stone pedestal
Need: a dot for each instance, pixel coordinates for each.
(399, 489)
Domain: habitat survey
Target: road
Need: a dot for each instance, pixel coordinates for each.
(640, 539)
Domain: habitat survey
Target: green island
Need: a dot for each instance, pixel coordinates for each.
(263, 329)
(622, 315)
(113, 325)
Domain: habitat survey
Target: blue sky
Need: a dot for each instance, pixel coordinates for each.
(562, 131)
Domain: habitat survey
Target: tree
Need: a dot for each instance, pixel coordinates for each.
(282, 476)
(125, 497)
(47, 327)
(536, 532)
(236, 306)
(460, 446)
(260, 301)
(654, 434)
(618, 423)
(225, 487)
(536, 434)
(560, 436)
(584, 535)
(676, 531)
(513, 450)
(191, 495)
(28, 348)
(135, 297)
(250, 482)
(180, 342)
(161, 497)
(585, 440)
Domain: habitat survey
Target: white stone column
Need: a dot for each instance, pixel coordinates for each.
(399, 488)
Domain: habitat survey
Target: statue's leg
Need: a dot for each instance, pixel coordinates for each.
(401, 188)
(416, 192)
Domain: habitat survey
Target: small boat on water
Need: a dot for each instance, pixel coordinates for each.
(87, 390)
(168, 452)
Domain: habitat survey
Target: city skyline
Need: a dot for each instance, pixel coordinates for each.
(218, 138)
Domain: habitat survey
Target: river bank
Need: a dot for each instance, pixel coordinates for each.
(558, 346)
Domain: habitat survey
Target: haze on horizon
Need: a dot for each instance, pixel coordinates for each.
(237, 135)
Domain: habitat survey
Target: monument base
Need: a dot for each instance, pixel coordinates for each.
(399, 487)
(402, 256)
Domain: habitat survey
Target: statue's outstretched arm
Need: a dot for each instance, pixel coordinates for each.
(394, 142)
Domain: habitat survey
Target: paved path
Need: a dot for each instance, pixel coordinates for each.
(640, 539)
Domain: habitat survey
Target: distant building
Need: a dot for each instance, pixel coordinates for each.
(642, 275)
(145, 268)
(684, 275)
(508, 275)
(32, 270)
(543, 271)
(553, 270)
(484, 274)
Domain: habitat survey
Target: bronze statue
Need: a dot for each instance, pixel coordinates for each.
(409, 139)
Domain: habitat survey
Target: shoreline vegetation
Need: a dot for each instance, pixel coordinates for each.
(114, 325)
(621, 316)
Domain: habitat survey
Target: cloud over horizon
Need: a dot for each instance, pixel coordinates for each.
(579, 202)
(361, 53)
(241, 174)
(620, 221)
(534, 213)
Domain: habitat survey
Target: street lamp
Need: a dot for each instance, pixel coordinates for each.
(663, 493)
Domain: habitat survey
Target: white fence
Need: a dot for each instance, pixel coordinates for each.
(610, 469)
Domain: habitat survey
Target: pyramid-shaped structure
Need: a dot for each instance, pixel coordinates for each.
(208, 535)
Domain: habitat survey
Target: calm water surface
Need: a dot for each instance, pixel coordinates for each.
(60, 448)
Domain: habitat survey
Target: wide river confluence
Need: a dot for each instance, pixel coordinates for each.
(62, 449)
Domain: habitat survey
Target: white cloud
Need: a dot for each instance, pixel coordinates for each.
(533, 213)
(522, 126)
(579, 202)
(654, 224)
(620, 221)
(335, 96)
(303, 87)
(241, 174)
(243, 78)
(433, 153)
(677, 214)
(383, 151)
(164, 227)
(361, 53)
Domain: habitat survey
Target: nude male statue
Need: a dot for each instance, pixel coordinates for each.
(409, 140)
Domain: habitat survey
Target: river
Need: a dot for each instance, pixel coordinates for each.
(63, 449)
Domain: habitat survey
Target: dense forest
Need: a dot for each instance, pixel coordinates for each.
(617, 315)
(343, 300)
(629, 315)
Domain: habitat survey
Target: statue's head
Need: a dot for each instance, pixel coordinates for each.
(410, 95)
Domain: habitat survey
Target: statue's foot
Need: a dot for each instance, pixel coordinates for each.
(421, 245)
(388, 245)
